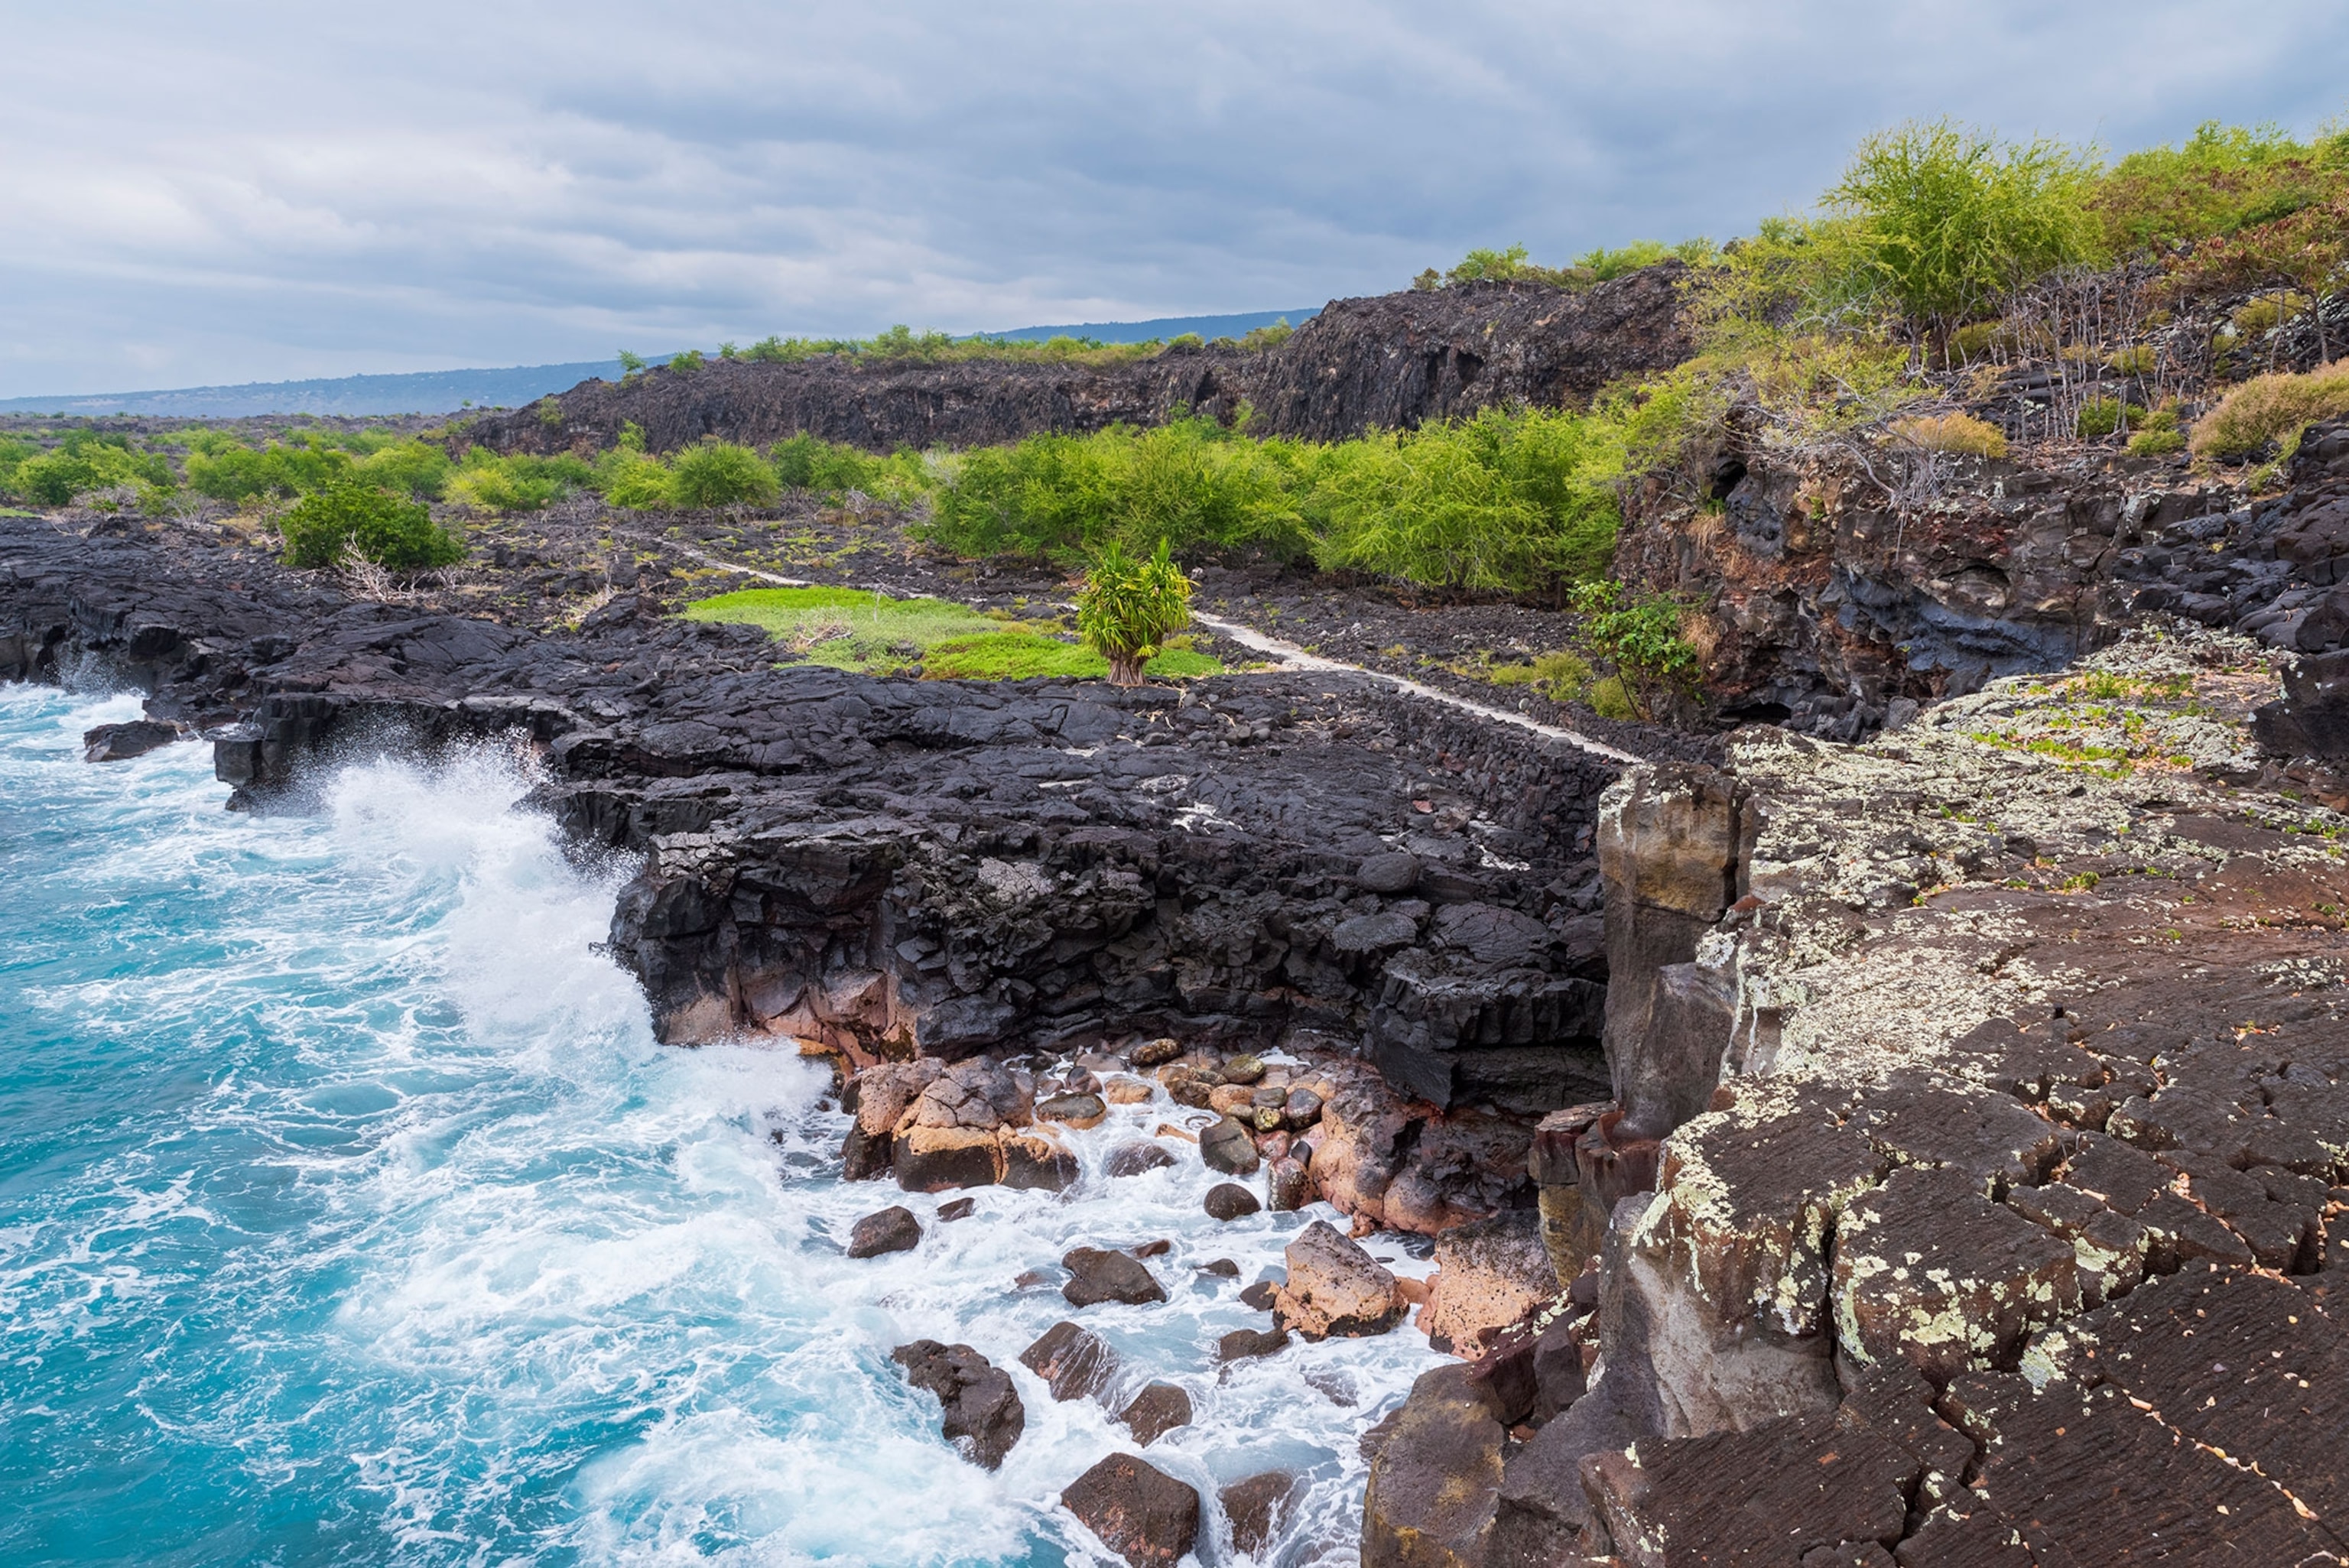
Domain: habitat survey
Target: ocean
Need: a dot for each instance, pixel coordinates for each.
(349, 1214)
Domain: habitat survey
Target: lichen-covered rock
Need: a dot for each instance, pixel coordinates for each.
(1928, 1270)
(1334, 1287)
(1434, 1479)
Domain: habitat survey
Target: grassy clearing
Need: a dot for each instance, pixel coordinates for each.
(869, 633)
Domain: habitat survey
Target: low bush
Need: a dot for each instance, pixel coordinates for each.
(719, 473)
(1958, 433)
(518, 482)
(1638, 635)
(1511, 501)
(1948, 219)
(626, 478)
(325, 525)
(2099, 417)
(2157, 443)
(1128, 608)
(84, 463)
(806, 462)
(2267, 410)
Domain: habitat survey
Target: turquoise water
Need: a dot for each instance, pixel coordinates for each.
(348, 1213)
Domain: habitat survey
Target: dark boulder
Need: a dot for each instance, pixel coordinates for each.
(120, 742)
(893, 1229)
(984, 1417)
(1155, 1411)
(1098, 1275)
(1138, 1510)
(1133, 1158)
(1230, 1201)
(1254, 1507)
(1229, 1147)
(1434, 1479)
(1074, 1362)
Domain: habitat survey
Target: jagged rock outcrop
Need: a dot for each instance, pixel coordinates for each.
(2006, 1167)
(897, 868)
(1392, 361)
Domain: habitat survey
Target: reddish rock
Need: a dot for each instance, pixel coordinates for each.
(1138, 1510)
(1334, 1287)
(1490, 1274)
(1074, 1362)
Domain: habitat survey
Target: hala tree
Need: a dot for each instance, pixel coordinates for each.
(1127, 608)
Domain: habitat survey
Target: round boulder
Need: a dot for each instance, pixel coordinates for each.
(893, 1229)
(1099, 1276)
(1230, 1201)
(1133, 1158)
(1156, 1412)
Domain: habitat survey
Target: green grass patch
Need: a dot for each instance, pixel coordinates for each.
(870, 634)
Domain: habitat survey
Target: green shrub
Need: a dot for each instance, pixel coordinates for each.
(2270, 408)
(1948, 219)
(84, 462)
(1128, 606)
(720, 473)
(324, 525)
(806, 462)
(1512, 500)
(2219, 182)
(412, 468)
(628, 478)
(2099, 417)
(1958, 433)
(518, 482)
(686, 363)
(2157, 443)
(550, 412)
(1639, 635)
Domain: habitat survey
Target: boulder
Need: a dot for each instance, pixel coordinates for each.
(935, 1158)
(1155, 1053)
(1290, 1183)
(974, 1095)
(120, 742)
(893, 1229)
(1079, 1110)
(882, 1093)
(957, 1209)
(1334, 1287)
(1242, 1070)
(1261, 1294)
(1074, 1362)
(1156, 1412)
(1138, 1510)
(1133, 1158)
(1230, 1201)
(1124, 1091)
(984, 1417)
(1489, 1275)
(1245, 1344)
(1434, 1479)
(1229, 1147)
(1098, 1275)
(1256, 1507)
(1037, 1158)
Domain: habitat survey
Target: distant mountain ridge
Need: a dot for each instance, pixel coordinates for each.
(447, 391)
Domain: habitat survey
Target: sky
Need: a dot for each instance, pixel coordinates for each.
(225, 193)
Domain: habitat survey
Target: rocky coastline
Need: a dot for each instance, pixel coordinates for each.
(1946, 1136)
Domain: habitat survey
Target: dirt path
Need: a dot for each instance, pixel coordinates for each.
(1287, 654)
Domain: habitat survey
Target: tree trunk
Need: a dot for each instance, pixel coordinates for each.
(1125, 669)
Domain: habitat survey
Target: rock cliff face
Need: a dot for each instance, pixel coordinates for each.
(894, 868)
(1831, 605)
(1394, 361)
(2003, 1121)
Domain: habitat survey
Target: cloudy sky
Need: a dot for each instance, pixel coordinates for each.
(236, 191)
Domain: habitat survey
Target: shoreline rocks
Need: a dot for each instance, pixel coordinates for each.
(983, 1413)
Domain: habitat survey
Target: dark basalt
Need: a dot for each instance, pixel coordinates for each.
(984, 1417)
(1392, 361)
(897, 865)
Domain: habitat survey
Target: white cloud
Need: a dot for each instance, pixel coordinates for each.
(236, 191)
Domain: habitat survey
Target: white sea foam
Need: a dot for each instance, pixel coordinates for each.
(409, 1217)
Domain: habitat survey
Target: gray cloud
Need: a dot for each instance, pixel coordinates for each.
(239, 191)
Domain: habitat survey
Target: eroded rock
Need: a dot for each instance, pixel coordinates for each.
(984, 1417)
(1334, 1287)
